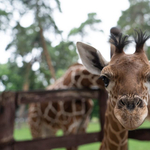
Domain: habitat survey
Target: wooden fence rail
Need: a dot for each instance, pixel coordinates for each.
(9, 101)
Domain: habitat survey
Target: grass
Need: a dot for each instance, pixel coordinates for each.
(24, 134)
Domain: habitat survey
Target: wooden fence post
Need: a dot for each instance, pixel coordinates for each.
(103, 96)
(7, 117)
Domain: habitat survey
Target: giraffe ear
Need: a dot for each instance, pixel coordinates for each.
(91, 58)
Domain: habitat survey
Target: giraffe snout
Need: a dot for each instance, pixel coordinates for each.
(129, 103)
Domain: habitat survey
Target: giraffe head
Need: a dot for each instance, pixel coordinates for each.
(126, 78)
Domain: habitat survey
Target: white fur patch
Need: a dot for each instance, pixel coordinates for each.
(147, 84)
(110, 86)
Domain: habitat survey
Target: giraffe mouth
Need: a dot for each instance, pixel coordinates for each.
(131, 111)
(132, 123)
(131, 120)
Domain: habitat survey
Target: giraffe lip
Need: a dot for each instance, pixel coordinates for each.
(130, 120)
(131, 126)
(131, 123)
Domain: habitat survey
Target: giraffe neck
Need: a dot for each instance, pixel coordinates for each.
(115, 136)
(81, 78)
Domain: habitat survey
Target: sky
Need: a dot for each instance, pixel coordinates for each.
(108, 11)
(74, 12)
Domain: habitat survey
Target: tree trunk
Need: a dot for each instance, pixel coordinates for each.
(46, 53)
(7, 118)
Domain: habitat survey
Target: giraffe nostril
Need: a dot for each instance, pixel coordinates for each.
(139, 103)
(130, 104)
(121, 103)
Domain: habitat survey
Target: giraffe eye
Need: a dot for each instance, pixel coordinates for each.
(148, 78)
(105, 80)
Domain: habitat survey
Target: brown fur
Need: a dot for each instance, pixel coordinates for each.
(128, 75)
(128, 72)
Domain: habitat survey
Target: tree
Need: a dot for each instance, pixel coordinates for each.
(11, 81)
(25, 40)
(137, 16)
(44, 21)
(64, 54)
(31, 45)
(90, 22)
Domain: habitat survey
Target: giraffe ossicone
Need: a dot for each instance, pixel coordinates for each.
(127, 81)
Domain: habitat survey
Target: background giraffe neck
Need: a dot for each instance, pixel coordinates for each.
(115, 136)
(78, 76)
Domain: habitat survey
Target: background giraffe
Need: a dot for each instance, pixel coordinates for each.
(126, 78)
(45, 119)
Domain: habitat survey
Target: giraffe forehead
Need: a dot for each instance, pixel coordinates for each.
(127, 75)
(127, 65)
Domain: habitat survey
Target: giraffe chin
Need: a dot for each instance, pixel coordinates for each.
(131, 121)
(131, 125)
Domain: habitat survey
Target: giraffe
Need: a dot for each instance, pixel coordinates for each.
(46, 118)
(115, 31)
(127, 80)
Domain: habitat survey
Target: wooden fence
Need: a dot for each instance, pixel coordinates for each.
(10, 100)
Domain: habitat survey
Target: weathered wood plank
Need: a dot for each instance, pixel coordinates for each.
(58, 142)
(7, 117)
(7, 114)
(140, 134)
(74, 140)
(102, 100)
(56, 95)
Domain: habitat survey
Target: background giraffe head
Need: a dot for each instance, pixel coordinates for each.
(126, 78)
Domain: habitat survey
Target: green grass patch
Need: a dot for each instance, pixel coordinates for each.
(24, 134)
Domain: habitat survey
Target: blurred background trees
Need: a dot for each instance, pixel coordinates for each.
(35, 61)
(137, 16)
(90, 22)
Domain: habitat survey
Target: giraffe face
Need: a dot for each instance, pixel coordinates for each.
(127, 80)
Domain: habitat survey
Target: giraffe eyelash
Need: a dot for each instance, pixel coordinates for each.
(147, 76)
(108, 75)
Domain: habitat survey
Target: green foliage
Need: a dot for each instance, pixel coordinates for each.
(26, 45)
(4, 19)
(12, 81)
(64, 54)
(91, 21)
(148, 53)
(26, 41)
(12, 77)
(95, 112)
(137, 16)
(43, 13)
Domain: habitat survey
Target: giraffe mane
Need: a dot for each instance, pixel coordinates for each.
(119, 42)
(140, 38)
